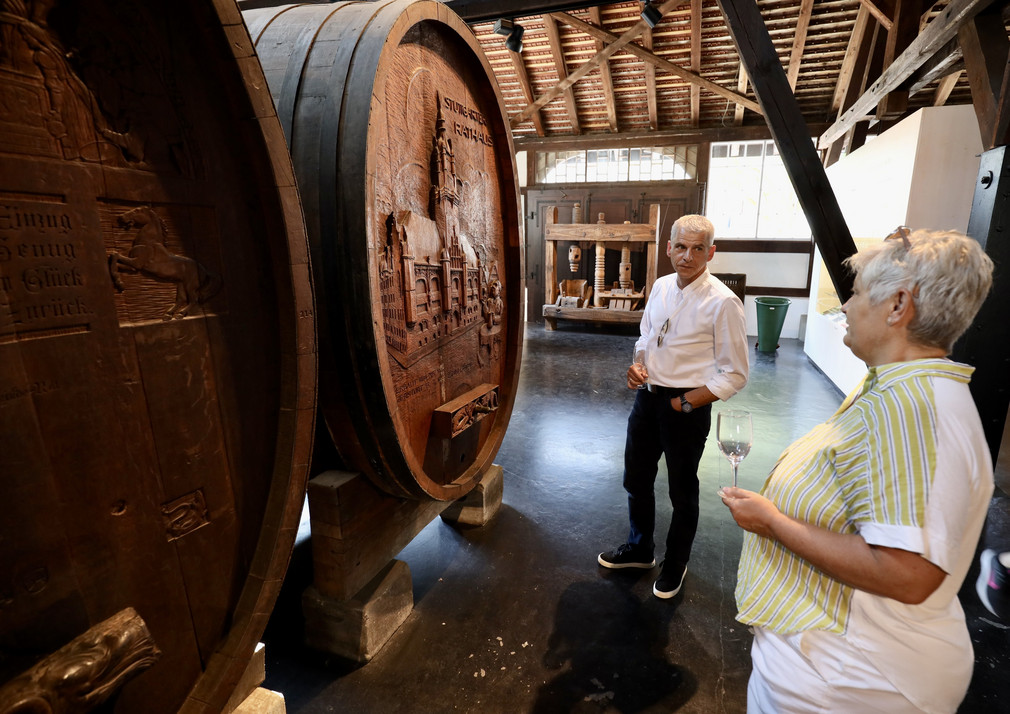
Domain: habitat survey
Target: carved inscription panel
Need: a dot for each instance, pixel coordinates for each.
(42, 283)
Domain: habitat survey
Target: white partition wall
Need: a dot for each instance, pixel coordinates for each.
(920, 173)
(785, 270)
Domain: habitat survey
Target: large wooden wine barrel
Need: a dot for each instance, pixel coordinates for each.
(406, 169)
(157, 344)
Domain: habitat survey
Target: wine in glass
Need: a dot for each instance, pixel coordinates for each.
(735, 435)
(640, 361)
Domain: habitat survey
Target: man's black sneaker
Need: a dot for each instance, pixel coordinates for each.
(626, 556)
(670, 581)
(993, 584)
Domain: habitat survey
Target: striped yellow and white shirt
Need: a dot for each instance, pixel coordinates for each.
(868, 469)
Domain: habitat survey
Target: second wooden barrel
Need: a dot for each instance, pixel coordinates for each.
(406, 170)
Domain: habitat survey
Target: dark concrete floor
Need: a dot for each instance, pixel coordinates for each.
(516, 616)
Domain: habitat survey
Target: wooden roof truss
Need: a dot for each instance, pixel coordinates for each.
(853, 64)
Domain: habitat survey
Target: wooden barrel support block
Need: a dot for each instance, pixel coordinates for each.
(157, 339)
(405, 164)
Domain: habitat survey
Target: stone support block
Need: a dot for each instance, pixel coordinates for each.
(356, 629)
(479, 506)
(262, 701)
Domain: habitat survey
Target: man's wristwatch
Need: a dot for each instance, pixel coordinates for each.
(685, 406)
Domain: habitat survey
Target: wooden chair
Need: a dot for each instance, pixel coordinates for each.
(580, 290)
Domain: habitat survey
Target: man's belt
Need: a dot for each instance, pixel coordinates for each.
(668, 392)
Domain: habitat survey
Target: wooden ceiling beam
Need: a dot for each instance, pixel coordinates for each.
(695, 60)
(792, 137)
(852, 78)
(877, 13)
(936, 35)
(799, 41)
(474, 11)
(554, 39)
(852, 67)
(741, 87)
(665, 137)
(660, 63)
(524, 81)
(905, 29)
(608, 81)
(627, 38)
(946, 61)
(856, 134)
(986, 50)
(855, 137)
(945, 87)
(833, 152)
(650, 81)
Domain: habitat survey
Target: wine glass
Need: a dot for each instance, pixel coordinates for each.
(640, 361)
(735, 435)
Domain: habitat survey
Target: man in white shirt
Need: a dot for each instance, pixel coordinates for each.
(692, 352)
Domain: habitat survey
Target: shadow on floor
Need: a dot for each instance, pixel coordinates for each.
(603, 626)
(518, 617)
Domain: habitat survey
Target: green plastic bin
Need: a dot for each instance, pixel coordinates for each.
(771, 314)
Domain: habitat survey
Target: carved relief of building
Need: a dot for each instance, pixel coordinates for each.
(431, 280)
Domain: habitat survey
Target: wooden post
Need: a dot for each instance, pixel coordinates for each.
(550, 258)
(599, 275)
(652, 251)
(624, 279)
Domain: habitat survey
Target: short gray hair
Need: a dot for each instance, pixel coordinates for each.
(693, 223)
(948, 274)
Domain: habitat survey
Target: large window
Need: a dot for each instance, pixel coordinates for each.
(667, 163)
(749, 193)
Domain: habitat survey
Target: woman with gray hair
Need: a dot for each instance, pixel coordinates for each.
(866, 527)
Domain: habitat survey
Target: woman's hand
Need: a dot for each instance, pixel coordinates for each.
(752, 511)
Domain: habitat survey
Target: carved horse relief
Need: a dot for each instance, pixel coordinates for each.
(194, 284)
